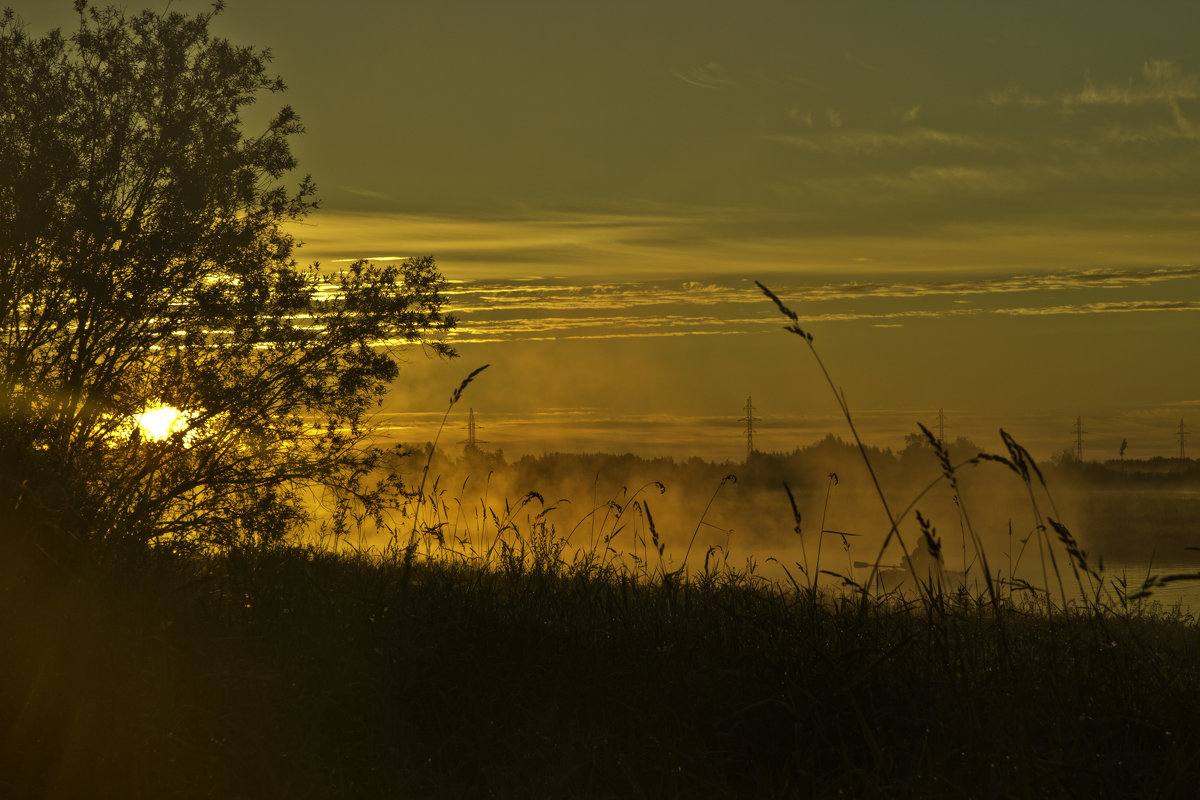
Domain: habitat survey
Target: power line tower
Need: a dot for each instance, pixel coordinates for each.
(1182, 434)
(471, 445)
(942, 426)
(1079, 432)
(750, 419)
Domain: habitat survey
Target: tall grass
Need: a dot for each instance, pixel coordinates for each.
(1094, 593)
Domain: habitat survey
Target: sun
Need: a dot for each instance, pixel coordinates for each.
(159, 422)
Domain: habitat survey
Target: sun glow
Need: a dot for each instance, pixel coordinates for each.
(160, 422)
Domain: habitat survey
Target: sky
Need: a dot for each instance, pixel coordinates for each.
(982, 207)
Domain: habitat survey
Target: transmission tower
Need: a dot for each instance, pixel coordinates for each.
(749, 419)
(1079, 432)
(1182, 434)
(471, 445)
(942, 426)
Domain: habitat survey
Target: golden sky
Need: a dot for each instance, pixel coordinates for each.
(985, 207)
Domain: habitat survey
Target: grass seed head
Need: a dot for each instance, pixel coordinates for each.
(787, 312)
(466, 381)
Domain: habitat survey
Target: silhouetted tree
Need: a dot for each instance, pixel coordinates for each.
(145, 259)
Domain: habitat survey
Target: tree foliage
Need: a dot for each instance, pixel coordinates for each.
(146, 259)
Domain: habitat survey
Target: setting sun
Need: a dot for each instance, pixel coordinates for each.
(159, 422)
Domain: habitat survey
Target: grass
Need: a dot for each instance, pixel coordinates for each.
(298, 673)
(484, 653)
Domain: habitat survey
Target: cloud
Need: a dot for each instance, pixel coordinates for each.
(368, 193)
(1110, 279)
(1160, 82)
(865, 142)
(615, 310)
(804, 118)
(369, 258)
(794, 79)
(929, 179)
(495, 242)
(651, 325)
(943, 185)
(1114, 307)
(626, 247)
(1157, 134)
(853, 59)
(479, 295)
(712, 75)
(1013, 96)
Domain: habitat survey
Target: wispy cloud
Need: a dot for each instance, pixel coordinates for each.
(1114, 307)
(863, 142)
(540, 312)
(712, 75)
(1159, 82)
(369, 258)
(700, 242)
(851, 58)
(480, 295)
(496, 240)
(1014, 96)
(804, 118)
(655, 326)
(367, 193)
(805, 82)
(956, 177)
(1152, 134)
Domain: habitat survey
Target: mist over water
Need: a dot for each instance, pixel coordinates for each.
(1132, 518)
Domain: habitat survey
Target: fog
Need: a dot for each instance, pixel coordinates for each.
(1129, 515)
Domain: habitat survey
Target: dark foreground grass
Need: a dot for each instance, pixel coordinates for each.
(293, 673)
